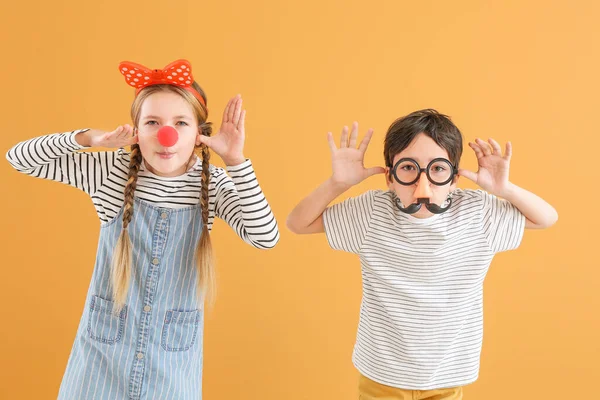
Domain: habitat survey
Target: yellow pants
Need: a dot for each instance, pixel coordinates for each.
(371, 390)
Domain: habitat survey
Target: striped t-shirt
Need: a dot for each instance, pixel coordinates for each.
(236, 198)
(421, 316)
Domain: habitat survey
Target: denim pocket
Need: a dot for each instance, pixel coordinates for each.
(103, 324)
(180, 330)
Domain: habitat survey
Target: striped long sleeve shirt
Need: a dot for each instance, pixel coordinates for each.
(234, 193)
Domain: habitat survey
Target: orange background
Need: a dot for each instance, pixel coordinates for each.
(285, 320)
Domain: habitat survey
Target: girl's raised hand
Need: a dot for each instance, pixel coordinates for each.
(120, 137)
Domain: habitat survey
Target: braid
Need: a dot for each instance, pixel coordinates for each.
(205, 183)
(204, 254)
(134, 168)
(121, 264)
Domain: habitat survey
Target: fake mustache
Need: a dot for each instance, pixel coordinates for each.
(413, 208)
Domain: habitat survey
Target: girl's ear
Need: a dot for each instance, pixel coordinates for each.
(198, 136)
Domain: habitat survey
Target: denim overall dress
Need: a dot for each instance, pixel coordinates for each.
(152, 349)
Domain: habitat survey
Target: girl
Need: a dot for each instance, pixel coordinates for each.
(140, 336)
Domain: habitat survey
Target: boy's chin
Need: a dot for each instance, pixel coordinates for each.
(423, 213)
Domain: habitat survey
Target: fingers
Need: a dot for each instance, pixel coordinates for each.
(365, 142)
(375, 170)
(476, 149)
(492, 147)
(226, 111)
(116, 132)
(331, 142)
(344, 138)
(496, 150)
(485, 148)
(237, 111)
(242, 123)
(470, 175)
(206, 140)
(508, 153)
(127, 135)
(132, 140)
(232, 108)
(122, 132)
(353, 135)
(349, 140)
(126, 132)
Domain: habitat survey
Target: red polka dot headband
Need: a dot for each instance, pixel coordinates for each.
(178, 73)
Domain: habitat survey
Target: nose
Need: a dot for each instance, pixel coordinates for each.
(167, 136)
(423, 189)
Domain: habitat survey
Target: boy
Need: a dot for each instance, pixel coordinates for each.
(425, 247)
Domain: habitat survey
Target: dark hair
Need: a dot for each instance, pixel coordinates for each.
(437, 126)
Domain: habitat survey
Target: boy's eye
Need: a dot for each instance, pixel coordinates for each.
(408, 167)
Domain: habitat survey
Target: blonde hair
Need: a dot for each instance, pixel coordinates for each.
(122, 256)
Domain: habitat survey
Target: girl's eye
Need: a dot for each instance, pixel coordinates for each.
(182, 122)
(151, 122)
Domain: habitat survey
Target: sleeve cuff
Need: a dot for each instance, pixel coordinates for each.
(71, 138)
(239, 167)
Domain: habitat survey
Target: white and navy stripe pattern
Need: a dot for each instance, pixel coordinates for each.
(421, 316)
(236, 198)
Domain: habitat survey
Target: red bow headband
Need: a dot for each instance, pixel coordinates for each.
(178, 73)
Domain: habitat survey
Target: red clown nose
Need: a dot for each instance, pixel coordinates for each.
(167, 136)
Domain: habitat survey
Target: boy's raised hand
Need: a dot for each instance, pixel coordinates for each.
(492, 174)
(348, 161)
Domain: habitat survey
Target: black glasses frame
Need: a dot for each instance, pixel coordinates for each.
(426, 170)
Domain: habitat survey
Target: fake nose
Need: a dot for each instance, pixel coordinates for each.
(423, 189)
(167, 136)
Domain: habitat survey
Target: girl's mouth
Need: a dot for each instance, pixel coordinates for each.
(165, 155)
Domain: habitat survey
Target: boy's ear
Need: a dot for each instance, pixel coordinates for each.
(388, 178)
(454, 182)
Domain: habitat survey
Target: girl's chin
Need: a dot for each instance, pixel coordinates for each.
(166, 167)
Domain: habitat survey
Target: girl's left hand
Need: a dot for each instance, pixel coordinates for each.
(492, 175)
(228, 143)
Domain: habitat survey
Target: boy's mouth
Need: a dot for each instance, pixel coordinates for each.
(416, 206)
